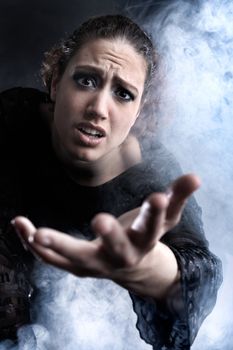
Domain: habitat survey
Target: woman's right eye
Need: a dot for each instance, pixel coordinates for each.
(85, 81)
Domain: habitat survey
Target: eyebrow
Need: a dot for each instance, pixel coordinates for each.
(95, 70)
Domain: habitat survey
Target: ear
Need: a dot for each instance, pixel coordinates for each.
(54, 85)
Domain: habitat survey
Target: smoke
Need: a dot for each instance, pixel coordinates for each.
(78, 313)
(195, 121)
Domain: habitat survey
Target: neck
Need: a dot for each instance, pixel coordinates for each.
(99, 172)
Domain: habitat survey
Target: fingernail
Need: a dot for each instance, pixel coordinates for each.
(139, 224)
(31, 238)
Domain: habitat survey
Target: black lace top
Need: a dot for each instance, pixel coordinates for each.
(34, 183)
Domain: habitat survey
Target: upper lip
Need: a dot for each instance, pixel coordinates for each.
(86, 125)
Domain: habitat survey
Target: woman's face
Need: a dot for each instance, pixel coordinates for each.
(97, 100)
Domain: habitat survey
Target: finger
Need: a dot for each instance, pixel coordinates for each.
(66, 246)
(26, 232)
(185, 185)
(24, 228)
(179, 192)
(51, 257)
(80, 257)
(76, 250)
(115, 240)
(149, 223)
(127, 218)
(74, 255)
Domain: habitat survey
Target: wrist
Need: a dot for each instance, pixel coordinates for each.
(154, 276)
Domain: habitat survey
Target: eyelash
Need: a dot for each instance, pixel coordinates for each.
(79, 79)
(125, 91)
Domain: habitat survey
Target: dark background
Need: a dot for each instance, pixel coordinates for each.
(28, 28)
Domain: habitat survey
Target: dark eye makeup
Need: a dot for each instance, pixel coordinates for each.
(124, 94)
(85, 80)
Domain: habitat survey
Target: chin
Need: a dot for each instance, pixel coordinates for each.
(81, 158)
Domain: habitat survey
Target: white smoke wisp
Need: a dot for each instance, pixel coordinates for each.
(78, 313)
(195, 42)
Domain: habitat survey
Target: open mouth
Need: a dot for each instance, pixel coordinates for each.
(91, 132)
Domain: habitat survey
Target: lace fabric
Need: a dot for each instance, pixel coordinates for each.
(176, 327)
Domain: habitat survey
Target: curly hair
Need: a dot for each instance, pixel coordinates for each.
(102, 27)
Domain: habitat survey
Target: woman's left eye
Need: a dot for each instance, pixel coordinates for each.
(124, 94)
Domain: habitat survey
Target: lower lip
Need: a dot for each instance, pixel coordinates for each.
(87, 140)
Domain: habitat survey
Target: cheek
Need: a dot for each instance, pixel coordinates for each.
(61, 119)
(133, 115)
(124, 124)
(65, 108)
(128, 116)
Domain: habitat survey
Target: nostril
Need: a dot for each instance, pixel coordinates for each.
(94, 115)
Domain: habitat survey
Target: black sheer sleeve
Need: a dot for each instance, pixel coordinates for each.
(175, 324)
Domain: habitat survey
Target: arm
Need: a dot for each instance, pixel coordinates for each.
(133, 257)
(177, 255)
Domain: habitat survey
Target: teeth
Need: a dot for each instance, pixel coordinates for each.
(91, 132)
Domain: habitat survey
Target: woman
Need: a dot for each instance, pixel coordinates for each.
(81, 170)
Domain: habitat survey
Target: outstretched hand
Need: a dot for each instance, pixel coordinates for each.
(127, 250)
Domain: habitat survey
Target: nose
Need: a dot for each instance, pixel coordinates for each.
(98, 105)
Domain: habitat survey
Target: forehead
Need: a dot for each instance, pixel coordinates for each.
(116, 57)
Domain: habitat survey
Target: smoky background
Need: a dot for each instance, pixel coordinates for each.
(194, 120)
(194, 117)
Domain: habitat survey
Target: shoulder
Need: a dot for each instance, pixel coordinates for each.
(19, 103)
(162, 168)
(19, 107)
(21, 123)
(157, 170)
(18, 95)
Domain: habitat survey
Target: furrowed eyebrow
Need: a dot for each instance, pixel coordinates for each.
(127, 85)
(90, 69)
(99, 71)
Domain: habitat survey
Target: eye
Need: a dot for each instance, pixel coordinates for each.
(124, 95)
(85, 81)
